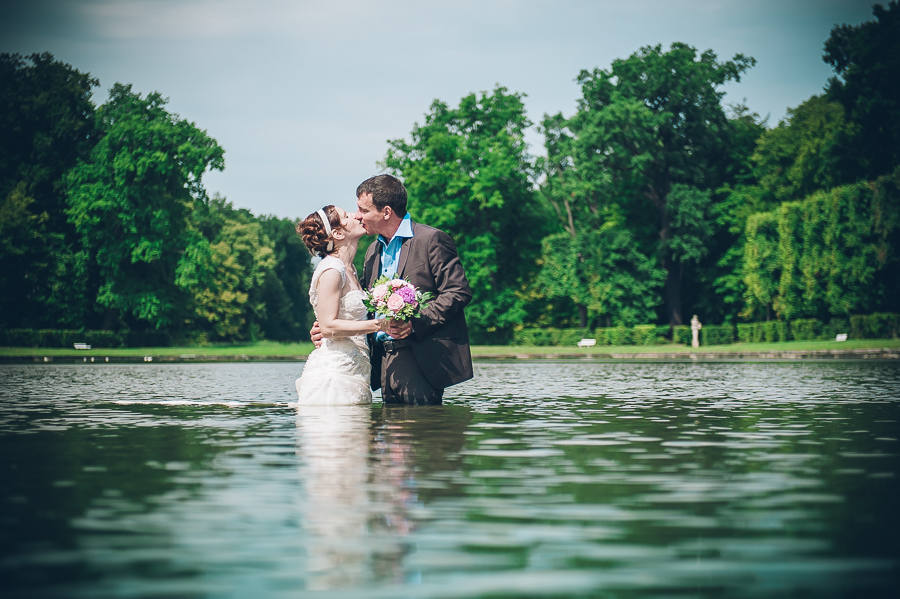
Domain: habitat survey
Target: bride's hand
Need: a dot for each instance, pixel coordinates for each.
(383, 325)
(315, 334)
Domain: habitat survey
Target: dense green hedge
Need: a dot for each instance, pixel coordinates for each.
(712, 334)
(881, 325)
(834, 252)
(681, 335)
(645, 334)
(67, 338)
(871, 326)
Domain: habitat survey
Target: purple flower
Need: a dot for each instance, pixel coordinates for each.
(408, 293)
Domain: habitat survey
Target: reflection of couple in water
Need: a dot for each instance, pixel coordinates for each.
(360, 464)
(412, 362)
(361, 469)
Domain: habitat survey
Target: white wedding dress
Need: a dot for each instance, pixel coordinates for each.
(337, 373)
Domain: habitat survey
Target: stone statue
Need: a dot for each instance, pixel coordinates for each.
(696, 325)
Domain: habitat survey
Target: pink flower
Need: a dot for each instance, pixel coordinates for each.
(395, 303)
(379, 292)
(398, 283)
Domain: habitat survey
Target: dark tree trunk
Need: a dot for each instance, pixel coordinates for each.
(673, 293)
(109, 319)
(583, 316)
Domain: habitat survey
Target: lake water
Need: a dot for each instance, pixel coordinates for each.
(535, 479)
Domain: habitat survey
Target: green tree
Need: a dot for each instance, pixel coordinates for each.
(716, 287)
(603, 272)
(131, 202)
(286, 288)
(595, 261)
(801, 154)
(866, 60)
(468, 172)
(46, 124)
(225, 269)
(648, 123)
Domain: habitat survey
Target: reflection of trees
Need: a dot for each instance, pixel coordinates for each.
(59, 474)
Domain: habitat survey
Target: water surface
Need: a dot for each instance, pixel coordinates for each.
(536, 479)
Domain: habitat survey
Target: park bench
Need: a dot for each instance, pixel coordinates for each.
(587, 343)
(82, 346)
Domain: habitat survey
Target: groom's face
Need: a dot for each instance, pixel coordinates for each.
(371, 217)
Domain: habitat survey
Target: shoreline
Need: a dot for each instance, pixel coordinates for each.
(685, 355)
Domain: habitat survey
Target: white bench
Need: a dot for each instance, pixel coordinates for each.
(840, 337)
(587, 343)
(82, 346)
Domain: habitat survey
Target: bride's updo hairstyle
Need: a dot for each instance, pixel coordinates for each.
(313, 232)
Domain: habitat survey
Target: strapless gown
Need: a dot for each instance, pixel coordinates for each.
(337, 373)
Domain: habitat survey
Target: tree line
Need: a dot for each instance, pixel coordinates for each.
(105, 222)
(652, 202)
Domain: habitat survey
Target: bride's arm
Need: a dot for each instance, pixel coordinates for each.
(328, 306)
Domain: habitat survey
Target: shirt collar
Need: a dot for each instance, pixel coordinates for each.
(404, 230)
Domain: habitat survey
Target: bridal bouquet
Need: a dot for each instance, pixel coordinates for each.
(395, 298)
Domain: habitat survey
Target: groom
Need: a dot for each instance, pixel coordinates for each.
(421, 357)
(431, 351)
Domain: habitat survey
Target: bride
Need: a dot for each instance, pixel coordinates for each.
(337, 373)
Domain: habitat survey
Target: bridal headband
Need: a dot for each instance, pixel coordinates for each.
(321, 213)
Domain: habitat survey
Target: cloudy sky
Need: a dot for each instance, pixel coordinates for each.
(304, 95)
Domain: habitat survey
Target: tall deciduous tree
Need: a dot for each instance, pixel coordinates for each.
(468, 172)
(595, 261)
(225, 269)
(648, 123)
(131, 201)
(866, 60)
(604, 273)
(286, 288)
(46, 125)
(801, 155)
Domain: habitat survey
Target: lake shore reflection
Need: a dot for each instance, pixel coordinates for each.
(536, 479)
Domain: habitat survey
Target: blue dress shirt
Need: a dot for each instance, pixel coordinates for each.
(390, 255)
(390, 250)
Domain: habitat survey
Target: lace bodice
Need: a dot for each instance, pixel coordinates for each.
(351, 307)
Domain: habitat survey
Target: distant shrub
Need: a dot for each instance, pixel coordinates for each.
(619, 336)
(483, 337)
(806, 329)
(782, 330)
(60, 338)
(645, 334)
(717, 334)
(548, 336)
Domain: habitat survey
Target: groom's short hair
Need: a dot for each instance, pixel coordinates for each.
(386, 190)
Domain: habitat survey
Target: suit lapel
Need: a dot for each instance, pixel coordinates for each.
(404, 254)
(373, 264)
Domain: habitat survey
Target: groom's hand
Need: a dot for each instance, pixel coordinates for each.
(399, 329)
(315, 334)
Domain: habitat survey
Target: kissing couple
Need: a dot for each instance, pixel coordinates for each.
(412, 361)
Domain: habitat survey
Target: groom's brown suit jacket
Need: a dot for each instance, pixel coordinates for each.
(440, 338)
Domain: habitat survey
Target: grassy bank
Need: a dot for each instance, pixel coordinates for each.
(261, 349)
(270, 349)
(737, 348)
